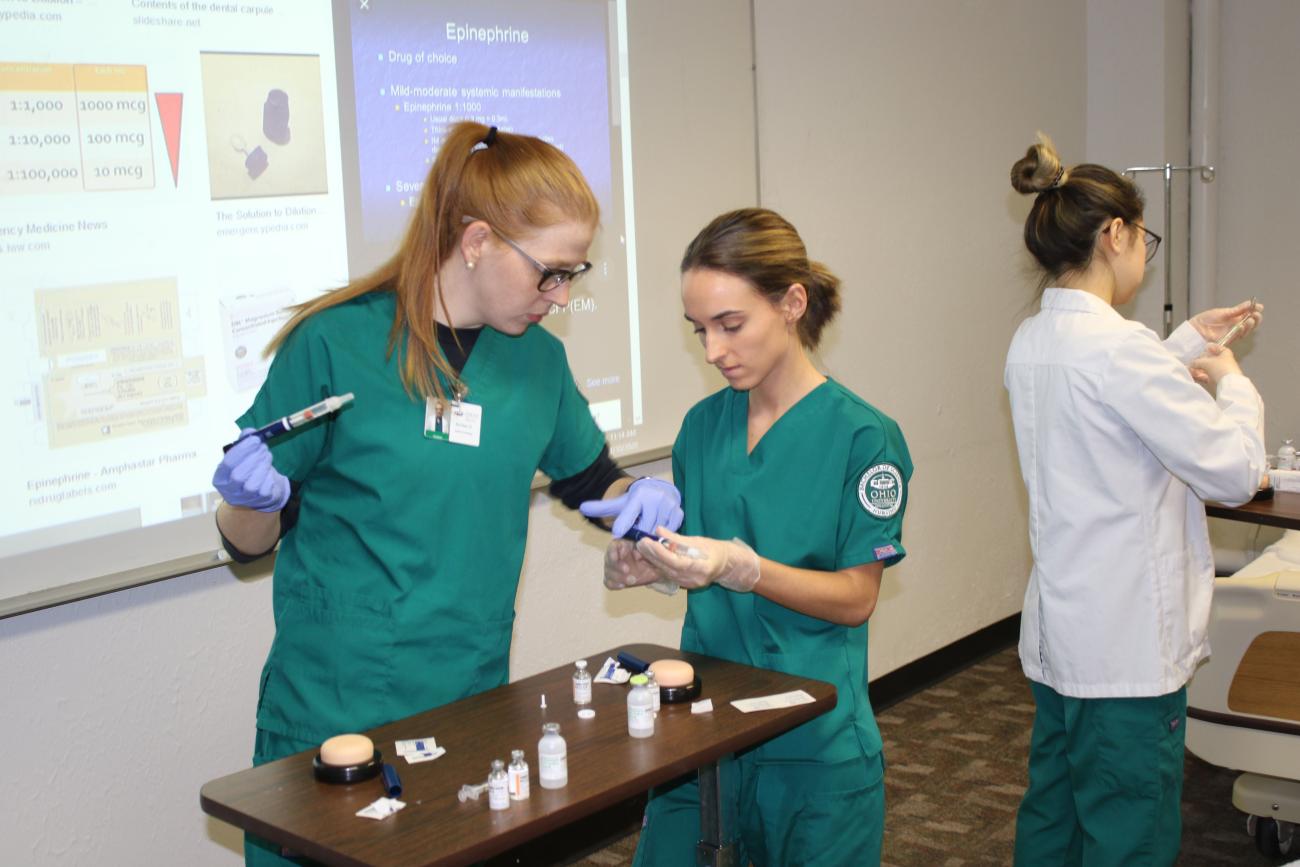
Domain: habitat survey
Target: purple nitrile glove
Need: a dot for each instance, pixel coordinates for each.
(648, 503)
(246, 477)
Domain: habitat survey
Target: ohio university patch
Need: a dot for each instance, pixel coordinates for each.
(881, 490)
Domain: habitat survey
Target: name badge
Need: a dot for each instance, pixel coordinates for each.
(456, 422)
(466, 423)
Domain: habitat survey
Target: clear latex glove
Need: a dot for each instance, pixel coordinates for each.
(732, 564)
(1216, 363)
(1214, 324)
(625, 567)
(648, 503)
(246, 477)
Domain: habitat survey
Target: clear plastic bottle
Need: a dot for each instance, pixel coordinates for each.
(652, 684)
(581, 683)
(552, 758)
(498, 791)
(517, 776)
(640, 709)
(1286, 459)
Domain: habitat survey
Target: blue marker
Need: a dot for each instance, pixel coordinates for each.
(391, 783)
(299, 418)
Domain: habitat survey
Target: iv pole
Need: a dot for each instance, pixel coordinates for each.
(1168, 169)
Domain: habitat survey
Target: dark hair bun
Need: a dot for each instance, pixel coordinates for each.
(1039, 169)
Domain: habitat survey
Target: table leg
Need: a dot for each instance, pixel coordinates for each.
(717, 820)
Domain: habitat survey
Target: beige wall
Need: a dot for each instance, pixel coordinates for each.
(1137, 83)
(1259, 194)
(887, 132)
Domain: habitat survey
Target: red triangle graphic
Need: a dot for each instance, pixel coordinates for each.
(169, 114)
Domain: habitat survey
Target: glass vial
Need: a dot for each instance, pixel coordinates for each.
(498, 793)
(517, 776)
(652, 684)
(1286, 459)
(552, 758)
(581, 683)
(640, 709)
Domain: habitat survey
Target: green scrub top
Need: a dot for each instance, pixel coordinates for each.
(824, 489)
(395, 591)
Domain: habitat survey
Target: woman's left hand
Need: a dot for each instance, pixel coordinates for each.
(1213, 324)
(698, 561)
(625, 567)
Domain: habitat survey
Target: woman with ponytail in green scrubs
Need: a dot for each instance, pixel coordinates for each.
(794, 490)
(401, 520)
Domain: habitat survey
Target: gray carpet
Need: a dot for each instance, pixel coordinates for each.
(956, 772)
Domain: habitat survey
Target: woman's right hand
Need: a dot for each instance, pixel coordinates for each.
(246, 477)
(1214, 365)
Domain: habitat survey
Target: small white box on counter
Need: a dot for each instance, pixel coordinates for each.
(1285, 480)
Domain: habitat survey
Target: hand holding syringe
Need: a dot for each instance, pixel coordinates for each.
(299, 418)
(663, 585)
(1241, 323)
(635, 535)
(1218, 360)
(625, 567)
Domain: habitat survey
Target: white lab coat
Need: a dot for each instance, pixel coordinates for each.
(1118, 449)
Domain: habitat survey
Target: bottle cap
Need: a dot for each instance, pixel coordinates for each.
(639, 680)
(581, 663)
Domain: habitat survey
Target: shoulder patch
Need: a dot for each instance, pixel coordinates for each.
(880, 490)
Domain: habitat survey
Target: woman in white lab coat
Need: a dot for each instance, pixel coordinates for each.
(1120, 443)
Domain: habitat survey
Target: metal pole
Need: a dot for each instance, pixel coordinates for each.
(1202, 276)
(1169, 247)
(1207, 175)
(714, 848)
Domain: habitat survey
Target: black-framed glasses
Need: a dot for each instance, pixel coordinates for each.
(1152, 240)
(552, 278)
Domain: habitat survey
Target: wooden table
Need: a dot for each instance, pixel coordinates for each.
(282, 802)
(1281, 511)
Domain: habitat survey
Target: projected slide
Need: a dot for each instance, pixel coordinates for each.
(175, 173)
(411, 68)
(143, 268)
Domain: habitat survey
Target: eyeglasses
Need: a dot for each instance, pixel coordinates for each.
(1150, 239)
(552, 278)
(1152, 242)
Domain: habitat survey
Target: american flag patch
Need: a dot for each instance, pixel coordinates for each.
(886, 551)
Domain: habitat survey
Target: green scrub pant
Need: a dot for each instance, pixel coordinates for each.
(267, 748)
(797, 813)
(1105, 781)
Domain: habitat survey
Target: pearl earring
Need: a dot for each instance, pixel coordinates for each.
(469, 265)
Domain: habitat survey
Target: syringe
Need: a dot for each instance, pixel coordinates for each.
(299, 418)
(690, 552)
(1241, 323)
(471, 793)
(663, 585)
